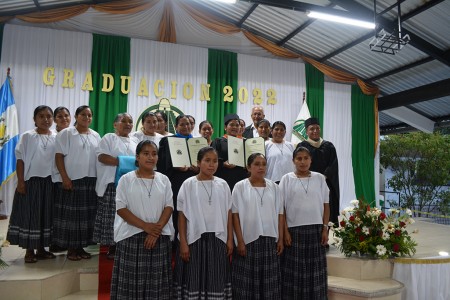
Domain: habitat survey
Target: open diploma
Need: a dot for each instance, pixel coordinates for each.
(239, 150)
(183, 152)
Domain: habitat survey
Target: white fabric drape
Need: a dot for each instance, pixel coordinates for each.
(169, 62)
(28, 51)
(287, 78)
(418, 278)
(337, 128)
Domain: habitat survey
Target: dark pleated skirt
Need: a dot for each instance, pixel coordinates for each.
(258, 274)
(104, 220)
(140, 273)
(304, 264)
(31, 221)
(78, 209)
(207, 275)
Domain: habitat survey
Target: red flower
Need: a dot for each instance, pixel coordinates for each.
(368, 207)
(361, 238)
(402, 224)
(358, 230)
(342, 223)
(352, 218)
(397, 232)
(396, 247)
(382, 216)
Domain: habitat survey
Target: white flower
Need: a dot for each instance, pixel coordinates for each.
(381, 250)
(394, 211)
(348, 209)
(386, 236)
(408, 212)
(355, 203)
(365, 230)
(337, 241)
(330, 224)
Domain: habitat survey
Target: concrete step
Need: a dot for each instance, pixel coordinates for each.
(340, 288)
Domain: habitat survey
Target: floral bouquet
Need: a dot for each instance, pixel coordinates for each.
(366, 230)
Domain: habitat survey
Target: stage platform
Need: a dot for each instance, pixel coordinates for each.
(349, 278)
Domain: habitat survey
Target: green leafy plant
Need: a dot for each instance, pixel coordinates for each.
(369, 231)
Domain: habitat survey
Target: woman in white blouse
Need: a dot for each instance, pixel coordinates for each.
(258, 227)
(278, 153)
(75, 159)
(306, 197)
(30, 224)
(110, 147)
(148, 130)
(143, 230)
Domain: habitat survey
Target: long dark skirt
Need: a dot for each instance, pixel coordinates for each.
(104, 220)
(140, 273)
(78, 209)
(30, 224)
(207, 275)
(304, 265)
(258, 274)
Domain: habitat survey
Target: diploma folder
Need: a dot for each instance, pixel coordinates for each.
(183, 152)
(239, 149)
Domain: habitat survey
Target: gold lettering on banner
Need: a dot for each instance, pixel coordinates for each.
(68, 79)
(49, 76)
(123, 81)
(158, 88)
(271, 96)
(243, 95)
(204, 96)
(108, 83)
(257, 94)
(188, 91)
(228, 94)
(143, 90)
(87, 84)
(173, 94)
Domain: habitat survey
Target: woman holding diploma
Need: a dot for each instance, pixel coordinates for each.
(142, 231)
(206, 234)
(176, 175)
(228, 172)
(258, 227)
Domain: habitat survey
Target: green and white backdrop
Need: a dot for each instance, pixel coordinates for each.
(154, 70)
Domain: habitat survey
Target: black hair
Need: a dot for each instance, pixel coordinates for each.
(162, 114)
(79, 110)
(189, 116)
(252, 158)
(148, 114)
(39, 109)
(262, 121)
(203, 123)
(177, 120)
(58, 109)
(202, 152)
(141, 145)
(242, 121)
(121, 115)
(278, 123)
(300, 149)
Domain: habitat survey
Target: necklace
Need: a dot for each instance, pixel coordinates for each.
(209, 194)
(45, 139)
(307, 186)
(280, 148)
(85, 140)
(125, 144)
(149, 191)
(260, 196)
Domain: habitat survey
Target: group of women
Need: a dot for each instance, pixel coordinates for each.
(240, 233)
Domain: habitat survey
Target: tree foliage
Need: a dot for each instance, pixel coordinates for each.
(420, 163)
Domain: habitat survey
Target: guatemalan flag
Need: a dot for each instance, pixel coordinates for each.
(9, 132)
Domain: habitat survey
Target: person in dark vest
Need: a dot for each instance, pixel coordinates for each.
(324, 161)
(257, 115)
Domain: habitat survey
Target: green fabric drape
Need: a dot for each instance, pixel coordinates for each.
(222, 71)
(315, 86)
(110, 55)
(363, 145)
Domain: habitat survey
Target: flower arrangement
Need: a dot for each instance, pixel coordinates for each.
(366, 230)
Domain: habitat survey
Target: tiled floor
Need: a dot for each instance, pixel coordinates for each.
(431, 238)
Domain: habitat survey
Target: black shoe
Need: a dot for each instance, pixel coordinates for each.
(56, 248)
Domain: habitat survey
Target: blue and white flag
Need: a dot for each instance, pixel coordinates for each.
(9, 132)
(299, 130)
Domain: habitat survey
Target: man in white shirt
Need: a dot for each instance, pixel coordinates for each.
(257, 115)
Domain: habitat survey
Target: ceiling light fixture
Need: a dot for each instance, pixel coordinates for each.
(338, 19)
